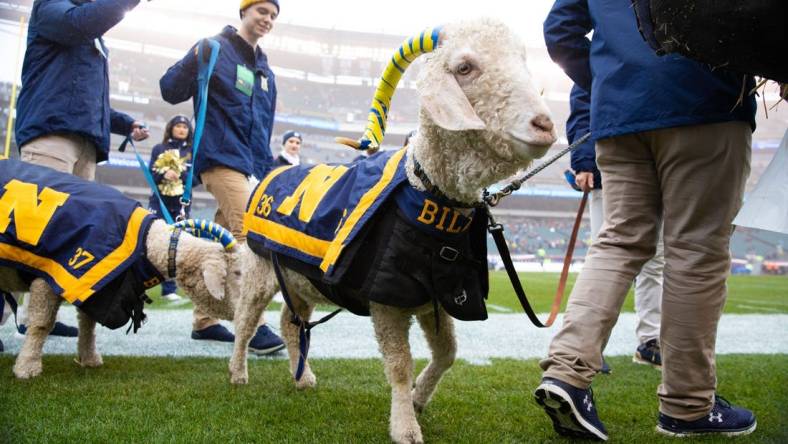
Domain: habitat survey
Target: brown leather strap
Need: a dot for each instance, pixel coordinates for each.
(570, 249)
(497, 233)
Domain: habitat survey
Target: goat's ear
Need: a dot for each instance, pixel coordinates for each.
(448, 107)
(214, 274)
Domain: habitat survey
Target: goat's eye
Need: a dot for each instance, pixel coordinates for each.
(464, 68)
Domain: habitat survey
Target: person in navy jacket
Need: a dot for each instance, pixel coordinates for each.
(237, 134)
(63, 117)
(673, 142)
(177, 139)
(291, 146)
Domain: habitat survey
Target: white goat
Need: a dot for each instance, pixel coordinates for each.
(201, 269)
(481, 121)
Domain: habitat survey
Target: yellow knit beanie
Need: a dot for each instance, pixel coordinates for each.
(247, 3)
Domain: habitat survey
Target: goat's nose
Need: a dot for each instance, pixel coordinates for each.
(542, 122)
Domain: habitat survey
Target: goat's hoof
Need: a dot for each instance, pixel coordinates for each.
(239, 378)
(408, 436)
(28, 370)
(92, 361)
(239, 373)
(307, 381)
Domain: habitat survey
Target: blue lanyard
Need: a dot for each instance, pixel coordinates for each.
(203, 80)
(204, 73)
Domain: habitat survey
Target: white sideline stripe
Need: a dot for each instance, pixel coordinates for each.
(769, 303)
(347, 336)
(500, 308)
(754, 307)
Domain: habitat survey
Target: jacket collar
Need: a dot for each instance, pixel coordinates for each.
(260, 58)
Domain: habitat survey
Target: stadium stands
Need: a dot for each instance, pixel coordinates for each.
(325, 79)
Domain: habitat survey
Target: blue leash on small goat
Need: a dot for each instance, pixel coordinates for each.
(207, 55)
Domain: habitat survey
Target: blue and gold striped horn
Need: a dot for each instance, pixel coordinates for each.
(410, 50)
(208, 230)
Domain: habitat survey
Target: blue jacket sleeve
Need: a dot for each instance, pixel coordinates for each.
(565, 31)
(584, 156)
(179, 83)
(120, 123)
(68, 24)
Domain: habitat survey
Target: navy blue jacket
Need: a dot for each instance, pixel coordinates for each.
(577, 125)
(632, 89)
(173, 203)
(238, 127)
(65, 81)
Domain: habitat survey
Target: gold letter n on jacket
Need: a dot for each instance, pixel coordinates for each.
(32, 212)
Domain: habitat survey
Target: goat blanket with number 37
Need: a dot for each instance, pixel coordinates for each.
(84, 239)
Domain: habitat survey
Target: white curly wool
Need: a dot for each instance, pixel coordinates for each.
(202, 269)
(502, 95)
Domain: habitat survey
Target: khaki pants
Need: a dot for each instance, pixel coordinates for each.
(231, 191)
(67, 153)
(694, 176)
(648, 283)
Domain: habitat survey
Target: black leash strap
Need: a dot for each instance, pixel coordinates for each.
(496, 230)
(304, 327)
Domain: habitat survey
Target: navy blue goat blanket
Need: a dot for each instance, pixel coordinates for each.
(79, 236)
(360, 232)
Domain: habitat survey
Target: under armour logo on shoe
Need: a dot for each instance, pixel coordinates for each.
(587, 403)
(715, 417)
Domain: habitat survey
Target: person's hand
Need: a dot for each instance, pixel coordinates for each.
(171, 175)
(139, 131)
(585, 180)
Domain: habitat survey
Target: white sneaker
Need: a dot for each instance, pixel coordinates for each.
(171, 297)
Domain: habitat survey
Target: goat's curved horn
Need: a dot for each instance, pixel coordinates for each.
(208, 230)
(409, 51)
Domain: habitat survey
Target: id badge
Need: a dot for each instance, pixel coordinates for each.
(244, 80)
(264, 83)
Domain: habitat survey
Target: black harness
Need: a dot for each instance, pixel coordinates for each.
(394, 262)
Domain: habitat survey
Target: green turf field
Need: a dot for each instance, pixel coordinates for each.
(146, 400)
(746, 294)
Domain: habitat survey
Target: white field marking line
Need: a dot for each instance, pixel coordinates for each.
(753, 307)
(500, 308)
(759, 302)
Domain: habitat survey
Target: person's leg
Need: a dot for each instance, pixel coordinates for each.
(85, 166)
(628, 237)
(703, 170)
(648, 295)
(595, 210)
(168, 287)
(231, 190)
(627, 240)
(597, 216)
